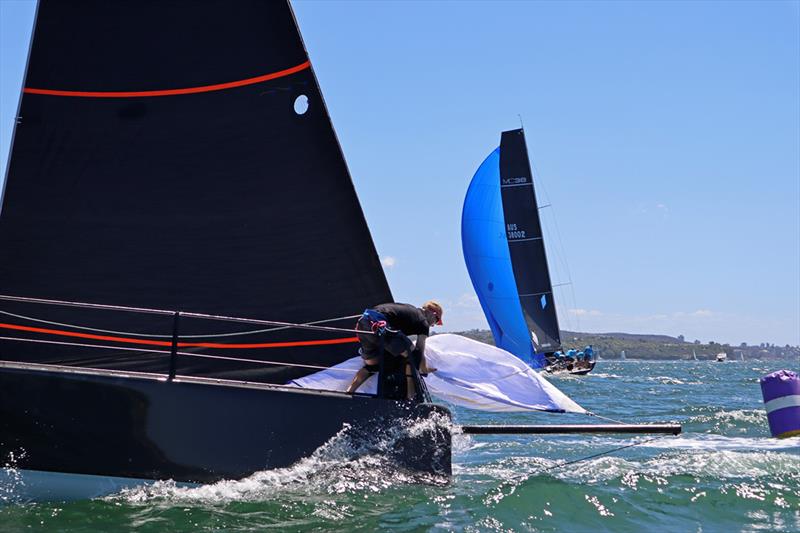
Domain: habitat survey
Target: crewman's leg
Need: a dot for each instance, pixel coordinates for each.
(370, 367)
(360, 377)
(410, 385)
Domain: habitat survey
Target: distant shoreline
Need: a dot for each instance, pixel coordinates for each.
(609, 346)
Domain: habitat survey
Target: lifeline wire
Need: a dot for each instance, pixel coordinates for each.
(151, 335)
(165, 353)
(202, 316)
(259, 361)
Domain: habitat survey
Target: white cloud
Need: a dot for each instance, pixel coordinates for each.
(388, 261)
(657, 209)
(467, 300)
(584, 312)
(699, 313)
(463, 313)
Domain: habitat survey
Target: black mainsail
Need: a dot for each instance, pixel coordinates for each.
(174, 160)
(164, 158)
(526, 243)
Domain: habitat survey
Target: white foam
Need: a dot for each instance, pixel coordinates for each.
(716, 464)
(722, 442)
(344, 464)
(603, 375)
(741, 419)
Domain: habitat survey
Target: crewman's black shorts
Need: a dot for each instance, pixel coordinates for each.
(395, 342)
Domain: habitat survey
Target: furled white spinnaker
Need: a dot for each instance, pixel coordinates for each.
(470, 374)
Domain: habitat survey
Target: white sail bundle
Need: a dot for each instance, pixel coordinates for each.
(469, 373)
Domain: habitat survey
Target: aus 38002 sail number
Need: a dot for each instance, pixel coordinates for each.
(513, 232)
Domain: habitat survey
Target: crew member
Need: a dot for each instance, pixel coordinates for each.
(588, 353)
(390, 324)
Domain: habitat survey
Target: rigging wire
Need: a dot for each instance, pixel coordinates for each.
(600, 454)
(560, 252)
(607, 418)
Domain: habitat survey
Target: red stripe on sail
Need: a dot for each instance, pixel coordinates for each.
(172, 92)
(128, 340)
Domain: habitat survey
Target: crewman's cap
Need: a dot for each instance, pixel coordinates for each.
(436, 308)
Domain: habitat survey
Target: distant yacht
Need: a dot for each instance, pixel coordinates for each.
(622, 355)
(722, 357)
(694, 355)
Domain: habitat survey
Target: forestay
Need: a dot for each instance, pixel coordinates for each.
(470, 374)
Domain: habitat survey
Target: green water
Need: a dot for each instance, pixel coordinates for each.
(723, 474)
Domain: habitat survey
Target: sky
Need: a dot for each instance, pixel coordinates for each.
(665, 136)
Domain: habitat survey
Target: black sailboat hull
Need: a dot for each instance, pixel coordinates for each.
(556, 369)
(108, 423)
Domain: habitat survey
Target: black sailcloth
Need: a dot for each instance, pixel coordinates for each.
(178, 155)
(526, 243)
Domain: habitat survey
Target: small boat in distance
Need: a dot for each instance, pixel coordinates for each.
(722, 357)
(504, 250)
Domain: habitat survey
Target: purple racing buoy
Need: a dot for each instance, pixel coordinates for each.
(781, 392)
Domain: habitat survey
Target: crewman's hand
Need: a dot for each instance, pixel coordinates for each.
(424, 369)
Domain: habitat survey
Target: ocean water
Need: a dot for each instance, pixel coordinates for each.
(724, 473)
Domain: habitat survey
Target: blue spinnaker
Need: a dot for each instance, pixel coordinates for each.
(486, 252)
